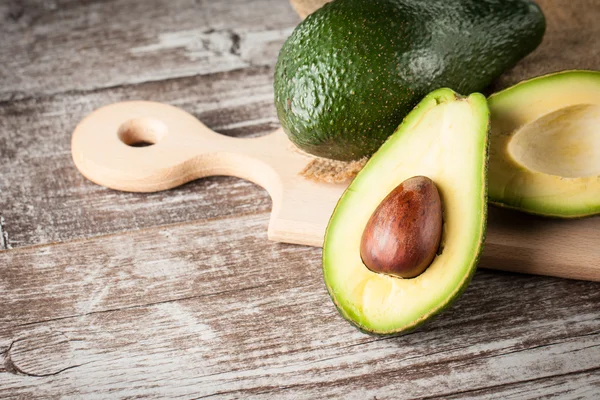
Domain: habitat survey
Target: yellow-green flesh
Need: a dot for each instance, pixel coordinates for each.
(445, 139)
(545, 145)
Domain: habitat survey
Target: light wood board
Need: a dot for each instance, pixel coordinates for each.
(179, 148)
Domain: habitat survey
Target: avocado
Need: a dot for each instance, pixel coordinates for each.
(444, 139)
(545, 145)
(352, 70)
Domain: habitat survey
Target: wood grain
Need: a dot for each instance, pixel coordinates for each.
(200, 309)
(179, 148)
(114, 44)
(34, 144)
(124, 42)
(44, 199)
(178, 294)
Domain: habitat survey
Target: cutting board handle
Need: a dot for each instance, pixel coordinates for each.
(142, 146)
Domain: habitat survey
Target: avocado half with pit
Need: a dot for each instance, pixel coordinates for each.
(444, 139)
(545, 145)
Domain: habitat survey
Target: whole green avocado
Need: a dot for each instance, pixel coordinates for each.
(352, 70)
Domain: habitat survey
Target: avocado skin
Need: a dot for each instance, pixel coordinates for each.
(438, 96)
(352, 70)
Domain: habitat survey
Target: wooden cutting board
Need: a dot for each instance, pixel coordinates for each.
(145, 147)
(187, 149)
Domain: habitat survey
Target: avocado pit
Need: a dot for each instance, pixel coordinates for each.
(403, 234)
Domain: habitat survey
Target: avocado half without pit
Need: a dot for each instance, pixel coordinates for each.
(545, 145)
(439, 150)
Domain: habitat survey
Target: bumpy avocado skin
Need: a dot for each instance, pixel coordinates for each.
(352, 70)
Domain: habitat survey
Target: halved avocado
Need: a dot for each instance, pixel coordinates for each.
(445, 139)
(545, 145)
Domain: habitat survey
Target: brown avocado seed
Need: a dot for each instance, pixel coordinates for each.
(404, 232)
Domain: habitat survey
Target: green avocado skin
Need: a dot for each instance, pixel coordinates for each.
(351, 71)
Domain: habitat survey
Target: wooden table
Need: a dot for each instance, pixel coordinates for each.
(179, 294)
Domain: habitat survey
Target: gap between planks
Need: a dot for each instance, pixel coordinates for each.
(507, 385)
(4, 235)
(131, 232)
(41, 97)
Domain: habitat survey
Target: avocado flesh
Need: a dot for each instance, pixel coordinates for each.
(351, 71)
(545, 145)
(445, 139)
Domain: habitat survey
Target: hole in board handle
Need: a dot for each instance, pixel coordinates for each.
(142, 132)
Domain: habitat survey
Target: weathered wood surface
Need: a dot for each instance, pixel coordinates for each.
(44, 199)
(35, 131)
(179, 294)
(200, 309)
(71, 45)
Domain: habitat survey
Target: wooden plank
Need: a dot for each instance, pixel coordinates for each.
(530, 244)
(105, 44)
(113, 43)
(44, 199)
(199, 309)
(584, 385)
(3, 235)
